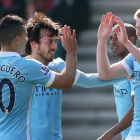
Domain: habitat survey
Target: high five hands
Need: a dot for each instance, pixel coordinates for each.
(121, 32)
(106, 25)
(68, 39)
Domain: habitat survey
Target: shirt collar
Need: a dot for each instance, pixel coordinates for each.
(6, 54)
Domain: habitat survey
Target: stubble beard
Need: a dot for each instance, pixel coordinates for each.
(45, 58)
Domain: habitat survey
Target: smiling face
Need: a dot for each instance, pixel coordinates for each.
(117, 48)
(47, 48)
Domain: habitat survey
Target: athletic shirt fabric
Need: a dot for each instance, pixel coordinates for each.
(47, 103)
(123, 101)
(133, 67)
(18, 77)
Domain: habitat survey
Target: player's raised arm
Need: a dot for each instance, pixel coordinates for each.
(66, 79)
(104, 69)
(123, 38)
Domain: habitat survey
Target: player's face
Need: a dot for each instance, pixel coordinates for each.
(22, 41)
(138, 27)
(47, 48)
(117, 48)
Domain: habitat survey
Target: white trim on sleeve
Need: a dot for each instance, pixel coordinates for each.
(129, 71)
(51, 79)
(77, 76)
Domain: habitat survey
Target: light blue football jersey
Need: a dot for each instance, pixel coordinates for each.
(47, 103)
(123, 101)
(18, 77)
(132, 66)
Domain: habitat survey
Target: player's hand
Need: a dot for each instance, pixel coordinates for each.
(121, 34)
(68, 39)
(106, 25)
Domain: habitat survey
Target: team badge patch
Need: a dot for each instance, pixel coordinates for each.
(44, 69)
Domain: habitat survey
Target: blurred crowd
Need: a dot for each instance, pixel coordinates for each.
(74, 13)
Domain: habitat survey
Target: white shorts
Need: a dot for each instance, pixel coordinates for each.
(129, 137)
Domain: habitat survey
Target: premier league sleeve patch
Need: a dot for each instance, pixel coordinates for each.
(45, 70)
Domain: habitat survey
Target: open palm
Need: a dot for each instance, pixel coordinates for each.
(106, 25)
(121, 34)
(68, 40)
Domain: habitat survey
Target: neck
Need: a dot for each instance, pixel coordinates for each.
(8, 49)
(39, 59)
(123, 56)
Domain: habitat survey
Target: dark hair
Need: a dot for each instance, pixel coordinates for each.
(37, 23)
(130, 29)
(10, 27)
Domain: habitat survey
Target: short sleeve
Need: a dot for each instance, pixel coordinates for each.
(128, 62)
(38, 73)
(60, 64)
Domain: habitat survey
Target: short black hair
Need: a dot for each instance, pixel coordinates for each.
(130, 29)
(10, 26)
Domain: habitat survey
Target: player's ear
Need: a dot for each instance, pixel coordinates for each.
(132, 39)
(33, 44)
(16, 40)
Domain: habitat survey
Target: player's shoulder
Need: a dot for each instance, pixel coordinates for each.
(57, 64)
(20, 61)
(29, 64)
(128, 58)
(33, 61)
(26, 60)
(56, 61)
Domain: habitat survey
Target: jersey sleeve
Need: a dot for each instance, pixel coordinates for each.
(92, 80)
(61, 64)
(38, 73)
(127, 62)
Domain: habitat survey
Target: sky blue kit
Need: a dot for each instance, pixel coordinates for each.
(122, 92)
(18, 77)
(133, 67)
(47, 103)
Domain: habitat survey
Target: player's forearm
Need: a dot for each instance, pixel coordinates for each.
(126, 120)
(109, 134)
(119, 127)
(133, 50)
(122, 125)
(103, 65)
(70, 69)
(116, 129)
(92, 80)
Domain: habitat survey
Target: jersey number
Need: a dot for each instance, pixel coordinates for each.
(10, 106)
